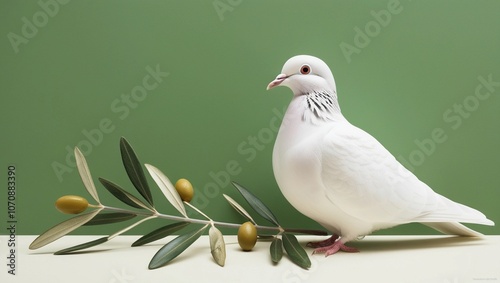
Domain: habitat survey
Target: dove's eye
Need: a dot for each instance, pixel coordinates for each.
(305, 69)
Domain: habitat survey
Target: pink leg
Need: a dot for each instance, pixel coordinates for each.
(324, 243)
(335, 247)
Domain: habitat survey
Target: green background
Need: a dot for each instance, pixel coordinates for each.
(220, 55)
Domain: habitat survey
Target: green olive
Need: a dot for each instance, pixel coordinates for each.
(247, 236)
(185, 189)
(71, 204)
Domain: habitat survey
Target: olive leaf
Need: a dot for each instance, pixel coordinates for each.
(167, 188)
(276, 250)
(239, 208)
(103, 239)
(175, 248)
(123, 195)
(107, 218)
(295, 251)
(62, 229)
(82, 246)
(134, 170)
(217, 245)
(256, 204)
(160, 233)
(84, 171)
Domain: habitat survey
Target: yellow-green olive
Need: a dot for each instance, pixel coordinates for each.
(185, 189)
(71, 204)
(247, 236)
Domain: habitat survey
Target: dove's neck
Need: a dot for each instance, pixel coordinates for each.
(307, 115)
(318, 107)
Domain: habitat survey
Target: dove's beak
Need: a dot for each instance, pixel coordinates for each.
(279, 79)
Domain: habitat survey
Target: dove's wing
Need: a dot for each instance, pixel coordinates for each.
(364, 179)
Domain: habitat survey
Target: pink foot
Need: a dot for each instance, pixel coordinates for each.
(335, 247)
(325, 243)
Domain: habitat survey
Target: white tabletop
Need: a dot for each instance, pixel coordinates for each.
(409, 259)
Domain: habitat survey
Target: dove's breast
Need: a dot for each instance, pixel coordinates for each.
(298, 173)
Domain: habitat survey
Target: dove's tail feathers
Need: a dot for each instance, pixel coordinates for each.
(446, 218)
(448, 211)
(454, 218)
(453, 228)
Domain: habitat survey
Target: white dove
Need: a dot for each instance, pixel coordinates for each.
(341, 176)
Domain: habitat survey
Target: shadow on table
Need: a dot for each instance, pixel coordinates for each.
(89, 251)
(387, 244)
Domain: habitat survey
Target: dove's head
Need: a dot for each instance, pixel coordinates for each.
(304, 74)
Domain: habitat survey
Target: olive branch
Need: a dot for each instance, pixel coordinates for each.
(283, 239)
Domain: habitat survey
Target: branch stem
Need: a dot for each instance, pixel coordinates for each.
(190, 220)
